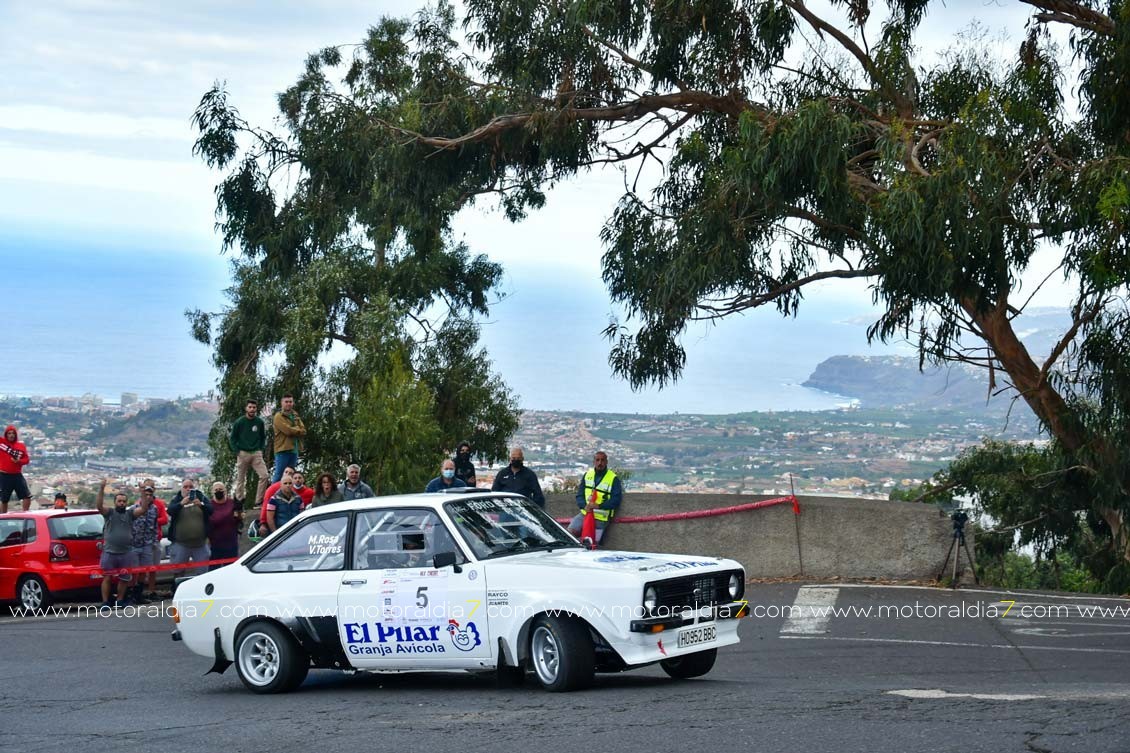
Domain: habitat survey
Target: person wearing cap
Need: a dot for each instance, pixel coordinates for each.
(148, 491)
(146, 529)
(445, 480)
(464, 467)
(60, 501)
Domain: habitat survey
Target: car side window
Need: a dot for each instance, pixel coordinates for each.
(29, 531)
(11, 532)
(400, 538)
(316, 545)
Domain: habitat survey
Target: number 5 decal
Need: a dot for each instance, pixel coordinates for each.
(422, 597)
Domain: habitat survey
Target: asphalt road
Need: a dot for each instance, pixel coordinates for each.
(1052, 681)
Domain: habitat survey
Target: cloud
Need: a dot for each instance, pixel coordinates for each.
(71, 122)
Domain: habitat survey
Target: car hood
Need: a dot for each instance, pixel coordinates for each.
(647, 564)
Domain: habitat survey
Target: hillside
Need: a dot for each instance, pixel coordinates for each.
(170, 427)
(895, 381)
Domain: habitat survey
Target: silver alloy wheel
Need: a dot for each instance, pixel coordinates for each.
(546, 655)
(259, 658)
(31, 594)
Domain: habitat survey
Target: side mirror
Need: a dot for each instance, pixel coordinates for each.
(446, 559)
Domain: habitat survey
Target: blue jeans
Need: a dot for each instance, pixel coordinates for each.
(284, 460)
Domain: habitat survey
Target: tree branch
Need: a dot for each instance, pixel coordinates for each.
(1074, 14)
(688, 101)
(743, 303)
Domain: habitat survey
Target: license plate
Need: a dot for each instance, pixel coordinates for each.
(697, 635)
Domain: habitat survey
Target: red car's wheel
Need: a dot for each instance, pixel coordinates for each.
(32, 593)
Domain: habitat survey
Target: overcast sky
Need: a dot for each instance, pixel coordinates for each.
(95, 136)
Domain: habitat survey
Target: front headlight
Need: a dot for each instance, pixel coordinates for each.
(735, 586)
(650, 599)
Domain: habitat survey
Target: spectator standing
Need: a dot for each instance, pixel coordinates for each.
(464, 467)
(13, 457)
(247, 440)
(60, 501)
(224, 525)
(600, 491)
(190, 516)
(284, 506)
(353, 487)
(149, 491)
(326, 491)
(303, 491)
(117, 544)
(519, 479)
(146, 527)
(445, 480)
(289, 433)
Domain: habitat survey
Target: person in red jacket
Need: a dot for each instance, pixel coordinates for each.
(13, 458)
(303, 491)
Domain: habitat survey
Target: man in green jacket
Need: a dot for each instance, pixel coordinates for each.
(247, 439)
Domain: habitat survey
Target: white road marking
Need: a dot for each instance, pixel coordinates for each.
(1057, 633)
(939, 693)
(811, 611)
(957, 643)
(1106, 693)
(936, 589)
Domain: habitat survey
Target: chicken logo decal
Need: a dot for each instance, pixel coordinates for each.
(465, 639)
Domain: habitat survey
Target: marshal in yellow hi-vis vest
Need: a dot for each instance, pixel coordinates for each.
(599, 493)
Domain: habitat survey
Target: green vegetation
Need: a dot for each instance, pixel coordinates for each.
(794, 151)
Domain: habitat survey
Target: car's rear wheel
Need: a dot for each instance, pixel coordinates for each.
(690, 665)
(32, 593)
(561, 652)
(269, 659)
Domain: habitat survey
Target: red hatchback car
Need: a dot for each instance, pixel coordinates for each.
(47, 552)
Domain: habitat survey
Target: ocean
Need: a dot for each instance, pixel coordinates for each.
(87, 316)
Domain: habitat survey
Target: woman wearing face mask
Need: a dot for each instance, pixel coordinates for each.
(225, 524)
(445, 480)
(326, 491)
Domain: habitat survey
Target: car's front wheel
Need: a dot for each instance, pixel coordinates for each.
(561, 652)
(690, 665)
(269, 659)
(32, 593)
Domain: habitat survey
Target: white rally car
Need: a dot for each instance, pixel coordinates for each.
(477, 582)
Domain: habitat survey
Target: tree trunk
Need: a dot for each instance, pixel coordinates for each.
(1048, 405)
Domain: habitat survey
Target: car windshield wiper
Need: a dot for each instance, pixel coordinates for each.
(512, 547)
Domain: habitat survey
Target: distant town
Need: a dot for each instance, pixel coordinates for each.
(77, 441)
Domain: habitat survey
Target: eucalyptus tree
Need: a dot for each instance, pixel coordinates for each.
(799, 145)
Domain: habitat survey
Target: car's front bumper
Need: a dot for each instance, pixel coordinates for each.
(732, 611)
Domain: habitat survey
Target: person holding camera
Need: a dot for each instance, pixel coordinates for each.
(190, 519)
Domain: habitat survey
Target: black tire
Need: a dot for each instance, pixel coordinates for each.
(690, 665)
(561, 653)
(269, 659)
(32, 593)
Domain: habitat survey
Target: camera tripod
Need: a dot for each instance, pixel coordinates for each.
(959, 519)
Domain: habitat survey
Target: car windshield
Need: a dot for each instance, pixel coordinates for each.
(85, 526)
(500, 526)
